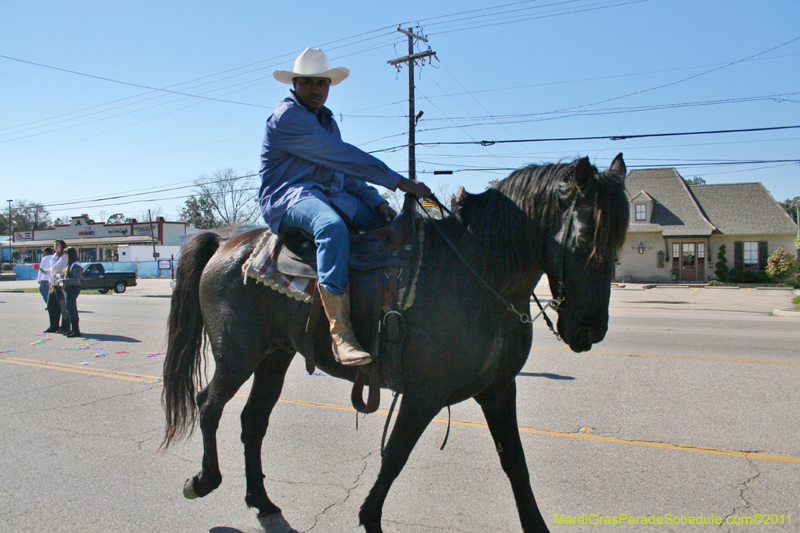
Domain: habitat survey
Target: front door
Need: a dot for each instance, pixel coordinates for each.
(688, 261)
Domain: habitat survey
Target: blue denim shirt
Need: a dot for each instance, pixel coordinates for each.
(303, 156)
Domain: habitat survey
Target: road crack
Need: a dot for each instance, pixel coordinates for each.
(348, 491)
(743, 488)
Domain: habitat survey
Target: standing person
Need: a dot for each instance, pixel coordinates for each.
(42, 277)
(313, 181)
(56, 306)
(73, 274)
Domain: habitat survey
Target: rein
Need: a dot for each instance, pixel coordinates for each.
(525, 318)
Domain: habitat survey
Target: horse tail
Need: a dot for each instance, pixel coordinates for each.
(185, 339)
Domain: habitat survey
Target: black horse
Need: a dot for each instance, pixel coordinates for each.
(467, 334)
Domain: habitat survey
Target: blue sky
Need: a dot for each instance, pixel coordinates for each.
(100, 140)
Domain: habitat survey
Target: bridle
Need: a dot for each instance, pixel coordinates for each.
(558, 298)
(561, 291)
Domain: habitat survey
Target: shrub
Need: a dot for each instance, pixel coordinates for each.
(722, 265)
(737, 275)
(7, 267)
(780, 264)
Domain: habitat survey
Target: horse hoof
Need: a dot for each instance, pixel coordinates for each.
(188, 490)
(275, 523)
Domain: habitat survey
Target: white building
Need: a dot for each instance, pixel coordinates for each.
(97, 241)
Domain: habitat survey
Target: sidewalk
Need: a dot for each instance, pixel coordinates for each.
(144, 286)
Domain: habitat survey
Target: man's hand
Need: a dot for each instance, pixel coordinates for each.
(417, 188)
(386, 212)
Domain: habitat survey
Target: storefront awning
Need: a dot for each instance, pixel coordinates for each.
(89, 241)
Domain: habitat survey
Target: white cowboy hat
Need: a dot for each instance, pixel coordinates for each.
(312, 63)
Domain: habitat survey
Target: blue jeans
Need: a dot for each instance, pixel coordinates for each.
(44, 288)
(71, 294)
(325, 224)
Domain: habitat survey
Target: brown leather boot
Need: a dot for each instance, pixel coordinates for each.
(345, 346)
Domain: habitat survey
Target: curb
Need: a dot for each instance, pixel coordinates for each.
(784, 312)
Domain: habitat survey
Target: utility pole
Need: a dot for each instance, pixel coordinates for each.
(152, 236)
(797, 240)
(10, 229)
(411, 58)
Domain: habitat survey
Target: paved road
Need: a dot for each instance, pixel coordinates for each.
(688, 407)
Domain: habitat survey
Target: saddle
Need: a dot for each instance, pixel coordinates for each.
(383, 265)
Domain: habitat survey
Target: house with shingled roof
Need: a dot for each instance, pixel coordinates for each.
(676, 230)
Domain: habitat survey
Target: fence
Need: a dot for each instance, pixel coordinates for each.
(143, 269)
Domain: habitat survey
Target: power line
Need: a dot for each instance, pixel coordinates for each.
(129, 83)
(594, 138)
(168, 91)
(516, 117)
(676, 163)
(77, 204)
(485, 24)
(355, 114)
(726, 65)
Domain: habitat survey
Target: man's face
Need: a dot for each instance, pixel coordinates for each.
(312, 92)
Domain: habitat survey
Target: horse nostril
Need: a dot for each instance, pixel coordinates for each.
(587, 336)
(584, 336)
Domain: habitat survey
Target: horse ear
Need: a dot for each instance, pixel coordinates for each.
(584, 171)
(618, 166)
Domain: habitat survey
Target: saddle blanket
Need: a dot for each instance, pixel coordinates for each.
(261, 266)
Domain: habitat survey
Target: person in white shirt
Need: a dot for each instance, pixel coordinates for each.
(42, 277)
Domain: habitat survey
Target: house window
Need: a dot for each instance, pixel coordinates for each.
(701, 259)
(751, 255)
(676, 258)
(641, 212)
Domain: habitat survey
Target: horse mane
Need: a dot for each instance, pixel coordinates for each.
(512, 218)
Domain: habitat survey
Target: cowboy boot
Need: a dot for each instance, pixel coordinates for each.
(76, 331)
(346, 349)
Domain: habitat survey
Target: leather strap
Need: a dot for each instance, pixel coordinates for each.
(311, 327)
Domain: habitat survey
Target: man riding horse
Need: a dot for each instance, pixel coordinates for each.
(313, 181)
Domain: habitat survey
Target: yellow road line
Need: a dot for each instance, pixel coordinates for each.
(675, 356)
(72, 368)
(546, 432)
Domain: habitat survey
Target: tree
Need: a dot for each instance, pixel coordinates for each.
(722, 265)
(790, 206)
(200, 212)
(780, 264)
(492, 183)
(395, 199)
(444, 193)
(224, 200)
(694, 180)
(25, 215)
(116, 218)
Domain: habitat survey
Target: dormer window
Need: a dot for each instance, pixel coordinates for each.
(640, 213)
